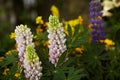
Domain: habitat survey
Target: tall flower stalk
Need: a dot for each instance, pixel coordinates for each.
(56, 39)
(32, 64)
(27, 55)
(23, 38)
(98, 29)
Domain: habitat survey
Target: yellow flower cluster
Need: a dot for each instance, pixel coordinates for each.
(5, 71)
(11, 51)
(45, 43)
(39, 29)
(17, 75)
(55, 11)
(78, 51)
(12, 35)
(109, 43)
(39, 20)
(73, 23)
(41, 23)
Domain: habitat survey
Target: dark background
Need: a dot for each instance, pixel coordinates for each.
(15, 12)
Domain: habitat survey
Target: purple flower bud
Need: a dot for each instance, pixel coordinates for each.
(92, 14)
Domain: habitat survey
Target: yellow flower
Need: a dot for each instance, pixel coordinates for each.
(72, 23)
(11, 51)
(66, 28)
(12, 35)
(17, 75)
(79, 49)
(36, 43)
(39, 30)
(1, 59)
(39, 20)
(35, 37)
(46, 25)
(16, 45)
(80, 19)
(55, 11)
(75, 22)
(5, 71)
(46, 43)
(109, 43)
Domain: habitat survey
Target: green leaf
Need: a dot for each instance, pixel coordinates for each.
(59, 74)
(92, 56)
(62, 59)
(69, 61)
(9, 59)
(78, 29)
(75, 74)
(80, 38)
(69, 31)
